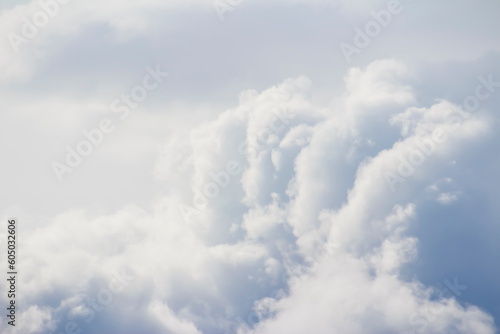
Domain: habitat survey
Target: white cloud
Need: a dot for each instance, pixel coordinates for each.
(305, 232)
(315, 182)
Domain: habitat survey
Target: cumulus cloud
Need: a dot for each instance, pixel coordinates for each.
(281, 215)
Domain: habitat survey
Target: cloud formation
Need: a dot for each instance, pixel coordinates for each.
(277, 217)
(332, 197)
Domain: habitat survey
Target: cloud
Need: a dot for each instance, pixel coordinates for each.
(277, 217)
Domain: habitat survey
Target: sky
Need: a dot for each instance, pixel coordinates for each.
(249, 166)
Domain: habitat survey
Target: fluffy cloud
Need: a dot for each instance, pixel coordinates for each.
(278, 217)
